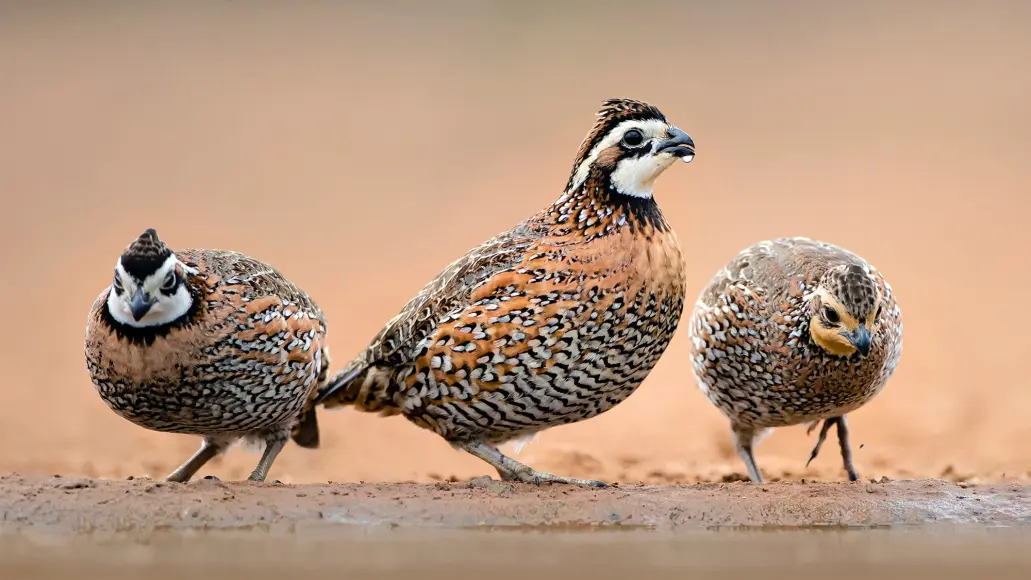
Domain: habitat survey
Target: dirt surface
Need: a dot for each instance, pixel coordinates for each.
(140, 506)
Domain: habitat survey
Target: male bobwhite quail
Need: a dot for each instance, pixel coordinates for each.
(791, 331)
(209, 343)
(552, 322)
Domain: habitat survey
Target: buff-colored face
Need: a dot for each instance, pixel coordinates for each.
(836, 330)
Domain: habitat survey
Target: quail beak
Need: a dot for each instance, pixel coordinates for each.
(140, 304)
(860, 338)
(679, 144)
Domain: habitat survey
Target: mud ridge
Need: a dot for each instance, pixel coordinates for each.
(81, 506)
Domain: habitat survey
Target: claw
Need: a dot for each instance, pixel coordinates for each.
(511, 470)
(539, 477)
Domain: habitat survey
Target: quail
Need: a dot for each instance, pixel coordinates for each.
(794, 331)
(210, 343)
(554, 321)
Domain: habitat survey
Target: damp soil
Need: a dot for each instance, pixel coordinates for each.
(59, 505)
(56, 527)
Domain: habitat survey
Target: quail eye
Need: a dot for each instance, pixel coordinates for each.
(169, 281)
(633, 138)
(117, 283)
(831, 315)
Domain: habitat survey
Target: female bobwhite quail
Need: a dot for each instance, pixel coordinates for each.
(552, 322)
(209, 343)
(791, 331)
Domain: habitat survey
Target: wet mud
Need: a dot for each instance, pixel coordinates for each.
(59, 505)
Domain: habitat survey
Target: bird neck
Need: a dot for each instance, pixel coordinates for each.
(596, 209)
(146, 335)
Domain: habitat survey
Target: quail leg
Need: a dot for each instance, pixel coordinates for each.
(511, 470)
(208, 450)
(745, 439)
(274, 443)
(843, 441)
(820, 439)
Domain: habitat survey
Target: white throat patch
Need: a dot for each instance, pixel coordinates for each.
(635, 176)
(163, 310)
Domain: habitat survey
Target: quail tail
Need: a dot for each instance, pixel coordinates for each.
(306, 432)
(843, 441)
(511, 470)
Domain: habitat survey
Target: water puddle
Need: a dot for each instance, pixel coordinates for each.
(336, 551)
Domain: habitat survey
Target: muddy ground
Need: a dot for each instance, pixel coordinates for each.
(140, 506)
(67, 527)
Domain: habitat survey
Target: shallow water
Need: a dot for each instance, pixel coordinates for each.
(321, 551)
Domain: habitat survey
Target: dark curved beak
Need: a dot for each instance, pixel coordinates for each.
(140, 304)
(678, 144)
(860, 338)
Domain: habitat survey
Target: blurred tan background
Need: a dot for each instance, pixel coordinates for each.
(359, 148)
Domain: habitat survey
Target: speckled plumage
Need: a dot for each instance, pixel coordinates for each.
(768, 351)
(554, 321)
(243, 361)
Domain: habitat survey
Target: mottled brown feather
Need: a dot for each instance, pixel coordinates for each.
(246, 359)
(553, 321)
(752, 353)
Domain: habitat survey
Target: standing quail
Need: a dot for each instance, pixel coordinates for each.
(794, 331)
(209, 343)
(552, 322)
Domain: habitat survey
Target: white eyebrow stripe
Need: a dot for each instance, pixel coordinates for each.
(650, 127)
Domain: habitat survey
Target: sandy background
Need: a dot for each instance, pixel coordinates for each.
(361, 149)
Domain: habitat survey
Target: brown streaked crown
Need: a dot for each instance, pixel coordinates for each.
(854, 288)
